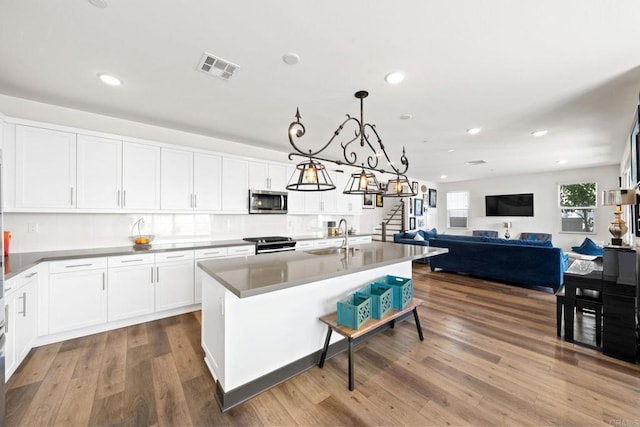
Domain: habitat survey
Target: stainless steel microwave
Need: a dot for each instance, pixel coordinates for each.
(267, 202)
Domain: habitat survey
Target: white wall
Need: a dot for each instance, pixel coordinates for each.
(546, 217)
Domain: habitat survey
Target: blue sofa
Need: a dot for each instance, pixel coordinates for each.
(527, 262)
(409, 237)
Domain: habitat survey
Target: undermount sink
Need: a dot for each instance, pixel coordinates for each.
(333, 251)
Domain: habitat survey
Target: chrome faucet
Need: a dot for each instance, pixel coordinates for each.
(345, 241)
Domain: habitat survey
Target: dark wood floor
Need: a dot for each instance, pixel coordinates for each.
(490, 357)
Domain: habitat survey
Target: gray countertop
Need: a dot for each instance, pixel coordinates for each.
(249, 276)
(17, 263)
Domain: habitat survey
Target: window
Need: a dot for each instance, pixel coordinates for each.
(457, 209)
(578, 207)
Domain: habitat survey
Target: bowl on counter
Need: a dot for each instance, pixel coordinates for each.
(142, 241)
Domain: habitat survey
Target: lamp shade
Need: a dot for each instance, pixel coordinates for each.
(362, 182)
(399, 187)
(507, 224)
(618, 197)
(310, 175)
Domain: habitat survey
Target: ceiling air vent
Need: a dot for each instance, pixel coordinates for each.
(216, 66)
(475, 162)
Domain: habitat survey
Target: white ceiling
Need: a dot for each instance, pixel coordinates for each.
(509, 67)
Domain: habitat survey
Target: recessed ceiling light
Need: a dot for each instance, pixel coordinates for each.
(561, 162)
(473, 131)
(394, 78)
(405, 116)
(540, 132)
(443, 176)
(451, 150)
(109, 79)
(291, 58)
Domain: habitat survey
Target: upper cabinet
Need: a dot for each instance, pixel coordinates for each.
(57, 170)
(176, 179)
(45, 168)
(191, 181)
(207, 182)
(140, 176)
(99, 166)
(267, 176)
(235, 185)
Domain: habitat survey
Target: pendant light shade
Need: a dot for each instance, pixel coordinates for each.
(310, 176)
(362, 182)
(399, 187)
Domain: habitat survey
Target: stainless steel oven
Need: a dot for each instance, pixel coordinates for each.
(267, 202)
(268, 244)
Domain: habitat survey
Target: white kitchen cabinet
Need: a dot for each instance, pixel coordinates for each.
(45, 168)
(99, 172)
(21, 318)
(207, 182)
(174, 280)
(235, 185)
(322, 202)
(204, 255)
(191, 181)
(77, 293)
(347, 204)
(176, 179)
(131, 287)
(267, 176)
(140, 176)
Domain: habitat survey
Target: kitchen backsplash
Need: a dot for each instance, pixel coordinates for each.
(46, 232)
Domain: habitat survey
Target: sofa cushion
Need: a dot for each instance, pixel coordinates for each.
(543, 243)
(588, 247)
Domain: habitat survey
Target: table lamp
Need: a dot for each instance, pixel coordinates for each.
(507, 225)
(618, 227)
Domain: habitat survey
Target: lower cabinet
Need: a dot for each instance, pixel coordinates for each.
(77, 294)
(131, 286)
(21, 310)
(174, 280)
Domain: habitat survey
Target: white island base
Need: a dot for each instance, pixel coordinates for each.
(252, 344)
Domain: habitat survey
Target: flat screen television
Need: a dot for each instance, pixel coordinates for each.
(509, 205)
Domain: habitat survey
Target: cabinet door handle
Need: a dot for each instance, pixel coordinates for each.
(6, 290)
(157, 274)
(124, 198)
(132, 260)
(24, 304)
(152, 275)
(6, 319)
(78, 265)
(30, 275)
(71, 196)
(195, 201)
(104, 281)
(191, 200)
(118, 199)
(175, 256)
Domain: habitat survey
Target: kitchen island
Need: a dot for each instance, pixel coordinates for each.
(260, 314)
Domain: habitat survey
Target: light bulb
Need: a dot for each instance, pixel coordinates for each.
(311, 175)
(363, 181)
(398, 187)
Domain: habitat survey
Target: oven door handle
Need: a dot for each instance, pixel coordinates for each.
(265, 251)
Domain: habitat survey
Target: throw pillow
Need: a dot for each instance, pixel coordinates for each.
(430, 233)
(419, 237)
(588, 247)
(409, 235)
(531, 237)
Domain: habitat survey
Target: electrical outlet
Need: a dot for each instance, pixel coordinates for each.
(32, 228)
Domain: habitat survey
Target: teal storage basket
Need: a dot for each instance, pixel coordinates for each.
(381, 298)
(402, 290)
(354, 311)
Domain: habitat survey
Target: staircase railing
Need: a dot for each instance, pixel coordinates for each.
(392, 215)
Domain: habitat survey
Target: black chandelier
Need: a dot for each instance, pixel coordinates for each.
(312, 175)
